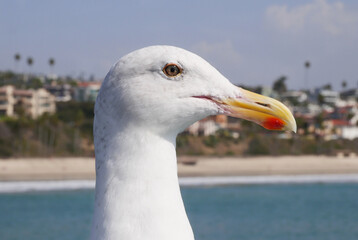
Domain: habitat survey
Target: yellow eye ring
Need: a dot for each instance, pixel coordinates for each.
(172, 70)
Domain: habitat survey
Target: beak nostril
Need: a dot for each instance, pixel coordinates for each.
(264, 104)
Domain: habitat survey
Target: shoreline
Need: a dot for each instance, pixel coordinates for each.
(54, 174)
(38, 169)
(71, 185)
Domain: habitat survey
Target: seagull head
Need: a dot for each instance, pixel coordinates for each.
(165, 89)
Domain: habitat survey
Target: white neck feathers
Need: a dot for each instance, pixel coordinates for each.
(137, 190)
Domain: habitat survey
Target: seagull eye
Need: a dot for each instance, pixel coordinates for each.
(172, 70)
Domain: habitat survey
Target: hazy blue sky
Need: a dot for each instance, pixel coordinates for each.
(250, 42)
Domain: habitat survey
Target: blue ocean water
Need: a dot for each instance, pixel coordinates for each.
(267, 212)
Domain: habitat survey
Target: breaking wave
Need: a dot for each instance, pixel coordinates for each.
(29, 186)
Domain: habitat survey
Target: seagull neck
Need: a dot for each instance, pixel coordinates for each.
(137, 190)
(136, 153)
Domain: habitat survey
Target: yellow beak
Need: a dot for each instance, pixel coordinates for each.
(265, 111)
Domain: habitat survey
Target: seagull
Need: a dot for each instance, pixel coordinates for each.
(146, 99)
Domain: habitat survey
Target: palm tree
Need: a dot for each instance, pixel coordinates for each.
(30, 61)
(17, 60)
(307, 66)
(344, 84)
(51, 62)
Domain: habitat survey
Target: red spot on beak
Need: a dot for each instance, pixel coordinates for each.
(273, 123)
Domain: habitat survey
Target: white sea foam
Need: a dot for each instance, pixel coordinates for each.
(29, 186)
(276, 179)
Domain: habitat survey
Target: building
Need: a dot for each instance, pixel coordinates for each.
(62, 93)
(294, 97)
(204, 127)
(350, 95)
(269, 92)
(87, 91)
(208, 126)
(337, 128)
(7, 101)
(327, 96)
(29, 102)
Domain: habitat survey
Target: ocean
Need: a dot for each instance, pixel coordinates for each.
(247, 212)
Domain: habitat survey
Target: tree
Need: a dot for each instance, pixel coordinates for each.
(17, 58)
(344, 84)
(327, 86)
(319, 120)
(307, 66)
(279, 85)
(51, 62)
(34, 83)
(320, 99)
(30, 61)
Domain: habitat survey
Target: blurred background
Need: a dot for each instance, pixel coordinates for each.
(54, 55)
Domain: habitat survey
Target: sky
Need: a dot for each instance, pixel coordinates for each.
(249, 42)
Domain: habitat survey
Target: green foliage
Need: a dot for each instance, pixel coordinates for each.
(66, 133)
(182, 140)
(301, 123)
(5, 149)
(5, 143)
(327, 86)
(194, 153)
(211, 141)
(319, 120)
(7, 78)
(309, 147)
(34, 83)
(18, 80)
(7, 75)
(224, 134)
(258, 146)
(16, 125)
(61, 134)
(320, 99)
(28, 81)
(279, 85)
(229, 153)
(75, 112)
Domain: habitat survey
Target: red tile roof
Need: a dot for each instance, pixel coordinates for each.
(87, 84)
(339, 122)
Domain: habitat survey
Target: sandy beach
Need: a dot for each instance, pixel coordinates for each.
(83, 168)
